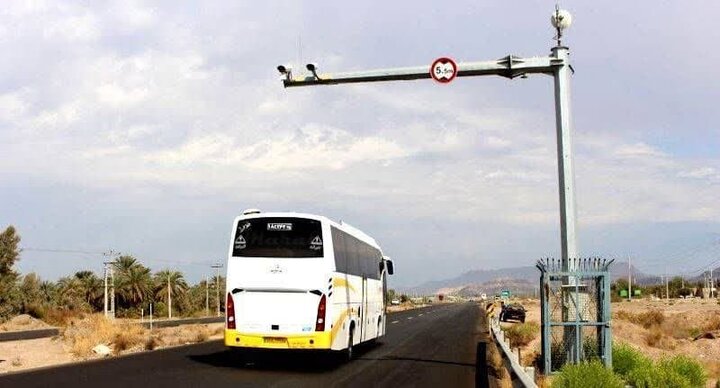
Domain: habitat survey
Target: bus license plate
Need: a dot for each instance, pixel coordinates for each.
(275, 340)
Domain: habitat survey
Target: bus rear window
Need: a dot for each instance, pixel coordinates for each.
(282, 237)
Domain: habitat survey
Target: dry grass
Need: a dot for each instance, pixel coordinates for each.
(202, 336)
(543, 381)
(16, 362)
(152, 343)
(128, 337)
(712, 324)
(84, 334)
(645, 319)
(497, 367)
(522, 334)
(62, 317)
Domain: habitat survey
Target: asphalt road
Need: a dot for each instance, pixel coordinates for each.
(427, 347)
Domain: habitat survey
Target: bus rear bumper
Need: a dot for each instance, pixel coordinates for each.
(315, 340)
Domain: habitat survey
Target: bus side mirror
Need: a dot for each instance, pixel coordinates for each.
(390, 267)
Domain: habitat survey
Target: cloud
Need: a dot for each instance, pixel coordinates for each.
(171, 107)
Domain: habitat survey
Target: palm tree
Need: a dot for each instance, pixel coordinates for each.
(48, 291)
(135, 286)
(172, 283)
(123, 264)
(91, 288)
(133, 283)
(69, 292)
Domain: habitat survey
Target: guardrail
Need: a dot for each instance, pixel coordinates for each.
(179, 322)
(53, 331)
(526, 374)
(28, 334)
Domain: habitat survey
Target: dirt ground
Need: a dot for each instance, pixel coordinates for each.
(75, 345)
(76, 341)
(23, 322)
(657, 328)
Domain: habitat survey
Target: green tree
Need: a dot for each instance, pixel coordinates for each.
(9, 254)
(133, 286)
(49, 292)
(91, 289)
(133, 283)
(69, 293)
(31, 298)
(172, 281)
(391, 294)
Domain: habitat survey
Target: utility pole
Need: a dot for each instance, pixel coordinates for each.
(105, 298)
(629, 280)
(207, 297)
(667, 288)
(217, 267)
(445, 70)
(108, 271)
(712, 284)
(112, 292)
(169, 289)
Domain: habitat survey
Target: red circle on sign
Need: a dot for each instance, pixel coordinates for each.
(443, 70)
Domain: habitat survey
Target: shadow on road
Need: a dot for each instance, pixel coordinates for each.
(396, 358)
(280, 360)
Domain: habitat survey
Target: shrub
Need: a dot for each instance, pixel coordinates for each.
(640, 372)
(126, 339)
(587, 375)
(646, 319)
(201, 336)
(650, 318)
(151, 343)
(36, 310)
(654, 377)
(522, 334)
(713, 324)
(686, 367)
(626, 358)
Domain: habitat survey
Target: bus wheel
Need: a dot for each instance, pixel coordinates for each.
(349, 350)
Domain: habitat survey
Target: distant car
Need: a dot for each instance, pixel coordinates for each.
(515, 312)
(395, 302)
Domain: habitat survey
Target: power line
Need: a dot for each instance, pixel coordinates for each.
(86, 252)
(63, 251)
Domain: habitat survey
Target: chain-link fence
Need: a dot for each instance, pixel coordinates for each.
(575, 309)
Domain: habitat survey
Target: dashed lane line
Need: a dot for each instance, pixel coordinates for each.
(394, 321)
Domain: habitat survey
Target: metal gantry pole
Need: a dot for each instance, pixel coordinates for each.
(556, 65)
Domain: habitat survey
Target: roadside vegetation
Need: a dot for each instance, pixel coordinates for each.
(521, 334)
(70, 297)
(632, 368)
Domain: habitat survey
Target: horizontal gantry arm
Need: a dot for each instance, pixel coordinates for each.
(509, 67)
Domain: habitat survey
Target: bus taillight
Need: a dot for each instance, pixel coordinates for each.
(320, 321)
(230, 312)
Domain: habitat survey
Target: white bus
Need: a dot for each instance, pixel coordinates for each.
(301, 281)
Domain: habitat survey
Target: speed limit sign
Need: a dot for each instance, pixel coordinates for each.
(443, 70)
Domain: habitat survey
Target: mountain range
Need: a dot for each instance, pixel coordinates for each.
(519, 280)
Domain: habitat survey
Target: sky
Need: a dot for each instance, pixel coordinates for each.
(146, 127)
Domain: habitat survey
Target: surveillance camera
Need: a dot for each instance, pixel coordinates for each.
(311, 67)
(284, 69)
(561, 19)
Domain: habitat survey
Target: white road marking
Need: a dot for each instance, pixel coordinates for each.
(410, 317)
(420, 315)
(394, 321)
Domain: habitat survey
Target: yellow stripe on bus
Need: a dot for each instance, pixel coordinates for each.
(340, 282)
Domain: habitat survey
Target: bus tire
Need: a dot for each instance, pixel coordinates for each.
(349, 350)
